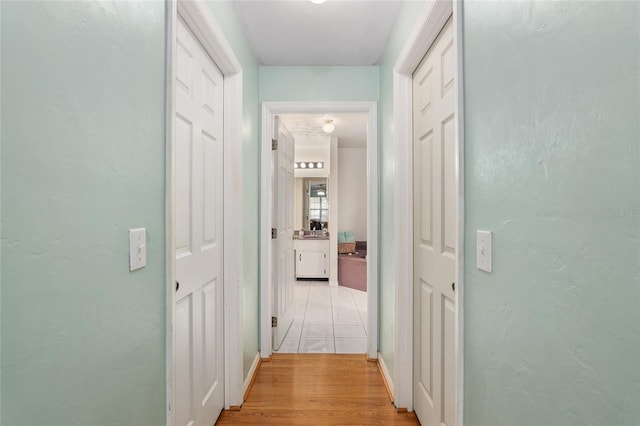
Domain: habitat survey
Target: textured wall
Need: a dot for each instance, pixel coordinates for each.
(83, 339)
(0, 218)
(319, 83)
(227, 19)
(552, 168)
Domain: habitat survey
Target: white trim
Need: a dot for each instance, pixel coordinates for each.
(252, 371)
(233, 241)
(201, 22)
(458, 26)
(269, 109)
(172, 17)
(387, 376)
(402, 89)
(266, 308)
(373, 186)
(334, 184)
(431, 20)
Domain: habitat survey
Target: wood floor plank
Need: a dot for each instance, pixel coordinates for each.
(317, 389)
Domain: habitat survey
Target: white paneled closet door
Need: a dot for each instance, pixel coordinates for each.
(435, 232)
(199, 351)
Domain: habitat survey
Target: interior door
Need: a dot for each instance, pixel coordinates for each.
(199, 355)
(435, 233)
(284, 184)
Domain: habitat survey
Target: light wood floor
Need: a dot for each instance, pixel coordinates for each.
(317, 389)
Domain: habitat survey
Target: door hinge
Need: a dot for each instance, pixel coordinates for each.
(274, 321)
(274, 144)
(274, 233)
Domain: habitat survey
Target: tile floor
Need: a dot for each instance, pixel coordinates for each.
(327, 320)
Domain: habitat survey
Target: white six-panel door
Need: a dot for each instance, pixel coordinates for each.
(199, 354)
(435, 227)
(283, 216)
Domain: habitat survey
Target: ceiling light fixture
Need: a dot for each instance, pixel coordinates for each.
(328, 126)
(318, 1)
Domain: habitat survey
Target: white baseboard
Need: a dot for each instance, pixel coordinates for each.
(251, 374)
(333, 283)
(385, 373)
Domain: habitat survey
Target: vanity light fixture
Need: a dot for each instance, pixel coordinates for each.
(328, 127)
(308, 165)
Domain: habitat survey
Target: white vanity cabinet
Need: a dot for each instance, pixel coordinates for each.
(312, 258)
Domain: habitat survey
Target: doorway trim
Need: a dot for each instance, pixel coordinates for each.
(430, 22)
(208, 32)
(269, 109)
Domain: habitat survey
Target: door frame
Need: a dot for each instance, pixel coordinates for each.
(208, 32)
(269, 109)
(430, 22)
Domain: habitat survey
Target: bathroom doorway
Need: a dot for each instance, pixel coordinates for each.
(329, 317)
(330, 289)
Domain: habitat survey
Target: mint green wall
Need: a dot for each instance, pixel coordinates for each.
(319, 83)
(231, 26)
(404, 24)
(552, 100)
(83, 154)
(0, 217)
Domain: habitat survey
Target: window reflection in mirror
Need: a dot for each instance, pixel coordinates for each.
(315, 204)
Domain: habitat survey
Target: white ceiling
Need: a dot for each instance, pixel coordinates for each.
(350, 129)
(337, 32)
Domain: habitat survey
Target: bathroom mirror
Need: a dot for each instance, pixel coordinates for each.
(314, 198)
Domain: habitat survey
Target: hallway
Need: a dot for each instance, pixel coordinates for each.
(103, 322)
(317, 389)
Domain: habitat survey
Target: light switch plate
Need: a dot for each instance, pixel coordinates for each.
(483, 251)
(137, 248)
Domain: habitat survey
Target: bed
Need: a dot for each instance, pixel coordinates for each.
(352, 268)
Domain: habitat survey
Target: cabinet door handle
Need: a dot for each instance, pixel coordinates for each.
(300, 257)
